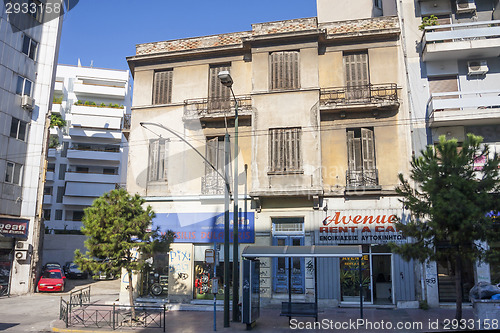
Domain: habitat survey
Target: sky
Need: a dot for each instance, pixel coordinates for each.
(105, 32)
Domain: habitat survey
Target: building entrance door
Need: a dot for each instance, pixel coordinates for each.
(281, 266)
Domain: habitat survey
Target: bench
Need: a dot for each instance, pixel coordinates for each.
(295, 309)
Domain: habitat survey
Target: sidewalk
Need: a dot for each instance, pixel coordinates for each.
(338, 320)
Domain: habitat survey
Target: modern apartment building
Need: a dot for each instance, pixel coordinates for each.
(29, 45)
(88, 156)
(451, 51)
(323, 133)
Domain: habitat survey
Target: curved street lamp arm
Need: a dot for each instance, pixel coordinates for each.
(143, 124)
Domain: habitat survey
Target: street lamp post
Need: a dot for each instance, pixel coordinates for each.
(226, 208)
(227, 80)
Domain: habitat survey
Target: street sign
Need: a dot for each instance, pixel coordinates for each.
(209, 256)
(215, 285)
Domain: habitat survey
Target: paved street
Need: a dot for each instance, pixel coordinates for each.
(35, 313)
(40, 312)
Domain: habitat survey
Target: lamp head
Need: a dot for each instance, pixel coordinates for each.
(225, 78)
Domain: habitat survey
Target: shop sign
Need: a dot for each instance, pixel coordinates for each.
(359, 227)
(17, 228)
(205, 227)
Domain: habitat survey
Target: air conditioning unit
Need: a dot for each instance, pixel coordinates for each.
(465, 6)
(477, 67)
(23, 246)
(27, 102)
(21, 255)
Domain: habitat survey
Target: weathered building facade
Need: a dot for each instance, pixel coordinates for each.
(323, 134)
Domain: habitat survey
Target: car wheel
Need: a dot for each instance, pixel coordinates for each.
(156, 289)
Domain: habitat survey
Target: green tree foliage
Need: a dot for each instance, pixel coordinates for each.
(56, 121)
(449, 205)
(120, 236)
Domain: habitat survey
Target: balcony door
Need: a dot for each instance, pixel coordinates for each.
(357, 77)
(218, 94)
(362, 169)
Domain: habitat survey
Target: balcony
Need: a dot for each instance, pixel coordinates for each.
(460, 108)
(126, 122)
(89, 89)
(78, 201)
(366, 97)
(461, 41)
(84, 189)
(56, 108)
(107, 156)
(94, 133)
(91, 177)
(59, 86)
(51, 152)
(47, 199)
(216, 108)
(49, 176)
(357, 180)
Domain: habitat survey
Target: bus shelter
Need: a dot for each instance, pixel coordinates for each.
(300, 309)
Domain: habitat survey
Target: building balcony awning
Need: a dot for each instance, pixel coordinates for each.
(314, 251)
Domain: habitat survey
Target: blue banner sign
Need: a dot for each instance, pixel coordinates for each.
(205, 227)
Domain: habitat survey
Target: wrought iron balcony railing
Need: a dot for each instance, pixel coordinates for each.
(362, 178)
(209, 108)
(370, 96)
(126, 121)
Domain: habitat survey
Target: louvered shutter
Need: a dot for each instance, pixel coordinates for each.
(284, 70)
(443, 84)
(357, 76)
(162, 159)
(162, 87)
(218, 94)
(212, 154)
(368, 149)
(153, 159)
(351, 150)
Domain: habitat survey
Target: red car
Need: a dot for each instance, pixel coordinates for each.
(51, 280)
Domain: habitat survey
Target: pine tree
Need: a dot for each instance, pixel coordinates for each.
(120, 236)
(450, 205)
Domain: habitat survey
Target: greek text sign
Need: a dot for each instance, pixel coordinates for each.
(205, 227)
(359, 227)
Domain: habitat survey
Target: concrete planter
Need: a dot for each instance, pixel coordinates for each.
(485, 311)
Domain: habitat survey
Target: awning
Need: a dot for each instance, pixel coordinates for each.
(314, 251)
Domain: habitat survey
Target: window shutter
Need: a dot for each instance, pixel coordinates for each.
(284, 70)
(218, 94)
(212, 154)
(162, 90)
(350, 150)
(368, 149)
(162, 159)
(443, 84)
(153, 159)
(357, 75)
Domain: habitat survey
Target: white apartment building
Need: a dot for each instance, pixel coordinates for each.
(29, 45)
(88, 156)
(452, 50)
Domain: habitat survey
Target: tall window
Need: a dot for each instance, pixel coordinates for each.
(284, 70)
(36, 9)
(29, 47)
(162, 87)
(285, 150)
(158, 154)
(357, 75)
(18, 129)
(13, 173)
(219, 96)
(362, 169)
(213, 183)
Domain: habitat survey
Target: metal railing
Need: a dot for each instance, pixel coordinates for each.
(127, 118)
(216, 107)
(112, 316)
(362, 178)
(80, 296)
(460, 32)
(383, 94)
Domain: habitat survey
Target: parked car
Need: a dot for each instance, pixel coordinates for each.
(51, 280)
(51, 265)
(73, 272)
